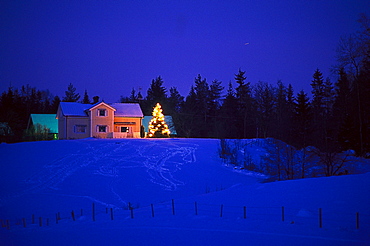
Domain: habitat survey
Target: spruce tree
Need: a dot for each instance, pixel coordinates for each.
(157, 126)
(86, 99)
(244, 105)
(71, 95)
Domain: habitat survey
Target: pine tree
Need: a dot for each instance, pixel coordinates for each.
(264, 96)
(86, 99)
(199, 99)
(55, 104)
(133, 96)
(71, 95)
(175, 101)
(244, 106)
(157, 92)
(228, 125)
(302, 120)
(157, 126)
(190, 117)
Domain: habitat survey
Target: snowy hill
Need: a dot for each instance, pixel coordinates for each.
(194, 198)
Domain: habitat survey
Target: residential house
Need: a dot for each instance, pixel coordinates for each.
(101, 120)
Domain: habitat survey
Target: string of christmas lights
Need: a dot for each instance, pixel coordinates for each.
(157, 125)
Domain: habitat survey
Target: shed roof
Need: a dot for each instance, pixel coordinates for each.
(48, 120)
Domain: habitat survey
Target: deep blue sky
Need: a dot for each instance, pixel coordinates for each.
(110, 47)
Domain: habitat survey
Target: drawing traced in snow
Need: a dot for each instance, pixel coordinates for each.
(112, 160)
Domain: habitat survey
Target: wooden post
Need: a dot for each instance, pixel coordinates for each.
(111, 213)
(73, 215)
(7, 224)
(282, 214)
(173, 207)
(132, 212)
(357, 220)
(93, 211)
(245, 212)
(320, 217)
(24, 222)
(152, 209)
(222, 206)
(40, 221)
(196, 208)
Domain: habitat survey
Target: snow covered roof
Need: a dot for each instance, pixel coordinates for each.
(48, 120)
(127, 109)
(74, 109)
(122, 109)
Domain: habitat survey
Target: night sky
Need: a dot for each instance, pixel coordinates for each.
(110, 47)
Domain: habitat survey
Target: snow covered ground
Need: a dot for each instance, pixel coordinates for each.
(181, 193)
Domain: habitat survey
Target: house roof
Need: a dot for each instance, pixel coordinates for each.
(122, 109)
(48, 120)
(167, 119)
(74, 109)
(127, 110)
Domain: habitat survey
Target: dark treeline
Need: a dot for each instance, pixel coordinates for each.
(335, 118)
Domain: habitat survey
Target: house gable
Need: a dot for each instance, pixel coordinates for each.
(102, 120)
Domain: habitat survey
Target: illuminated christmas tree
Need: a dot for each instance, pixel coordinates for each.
(157, 126)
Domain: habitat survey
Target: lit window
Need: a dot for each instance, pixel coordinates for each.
(80, 128)
(102, 112)
(102, 128)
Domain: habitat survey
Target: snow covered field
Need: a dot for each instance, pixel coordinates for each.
(181, 193)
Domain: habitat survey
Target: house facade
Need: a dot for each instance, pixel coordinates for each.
(101, 120)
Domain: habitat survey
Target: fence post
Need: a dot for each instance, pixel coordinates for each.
(152, 209)
(196, 208)
(320, 217)
(73, 215)
(7, 224)
(132, 212)
(245, 212)
(40, 221)
(111, 213)
(357, 220)
(33, 219)
(222, 206)
(24, 222)
(282, 213)
(173, 207)
(93, 211)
